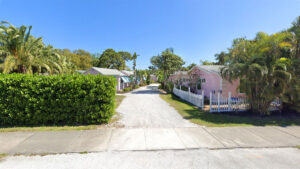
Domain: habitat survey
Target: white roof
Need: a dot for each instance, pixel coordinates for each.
(108, 72)
(127, 72)
(80, 71)
(180, 72)
(211, 68)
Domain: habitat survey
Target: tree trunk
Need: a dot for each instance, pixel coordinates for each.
(164, 79)
(298, 49)
(21, 69)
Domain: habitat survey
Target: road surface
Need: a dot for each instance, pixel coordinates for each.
(144, 108)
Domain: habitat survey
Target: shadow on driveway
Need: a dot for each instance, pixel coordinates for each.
(148, 90)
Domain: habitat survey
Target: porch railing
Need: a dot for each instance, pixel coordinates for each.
(195, 99)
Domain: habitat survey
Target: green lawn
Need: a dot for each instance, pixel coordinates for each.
(2, 156)
(62, 128)
(116, 117)
(201, 117)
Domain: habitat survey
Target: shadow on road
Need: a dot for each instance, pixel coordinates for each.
(148, 90)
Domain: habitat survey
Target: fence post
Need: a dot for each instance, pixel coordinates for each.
(229, 101)
(180, 87)
(202, 99)
(210, 101)
(218, 101)
(189, 94)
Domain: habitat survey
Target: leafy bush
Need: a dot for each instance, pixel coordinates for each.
(128, 89)
(142, 84)
(184, 88)
(61, 99)
(135, 86)
(169, 87)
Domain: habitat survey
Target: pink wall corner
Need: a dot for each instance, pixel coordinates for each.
(214, 82)
(231, 87)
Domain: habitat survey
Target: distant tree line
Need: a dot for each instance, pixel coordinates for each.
(20, 52)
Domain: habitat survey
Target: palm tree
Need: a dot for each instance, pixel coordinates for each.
(18, 46)
(25, 54)
(262, 68)
(134, 57)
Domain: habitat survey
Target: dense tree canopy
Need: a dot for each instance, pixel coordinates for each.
(167, 62)
(80, 58)
(114, 60)
(269, 67)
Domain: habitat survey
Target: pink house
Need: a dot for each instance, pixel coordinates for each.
(208, 78)
(180, 78)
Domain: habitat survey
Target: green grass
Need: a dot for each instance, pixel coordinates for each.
(203, 118)
(49, 128)
(2, 155)
(117, 116)
(119, 99)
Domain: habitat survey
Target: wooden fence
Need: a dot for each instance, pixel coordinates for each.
(195, 99)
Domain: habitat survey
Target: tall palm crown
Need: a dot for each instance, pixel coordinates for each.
(262, 64)
(25, 54)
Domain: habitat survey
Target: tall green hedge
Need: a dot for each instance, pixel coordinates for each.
(59, 99)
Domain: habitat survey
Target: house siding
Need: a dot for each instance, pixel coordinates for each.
(94, 72)
(214, 82)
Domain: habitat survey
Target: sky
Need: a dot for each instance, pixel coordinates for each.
(196, 29)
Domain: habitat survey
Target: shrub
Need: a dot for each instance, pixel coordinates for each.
(169, 87)
(135, 86)
(128, 89)
(61, 99)
(142, 84)
(184, 88)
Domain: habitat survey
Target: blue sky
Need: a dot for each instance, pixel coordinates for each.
(196, 29)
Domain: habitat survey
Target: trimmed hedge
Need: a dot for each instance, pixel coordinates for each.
(59, 99)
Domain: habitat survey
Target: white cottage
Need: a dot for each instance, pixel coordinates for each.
(123, 77)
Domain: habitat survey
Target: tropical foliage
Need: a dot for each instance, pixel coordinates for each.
(268, 65)
(80, 58)
(167, 62)
(60, 99)
(134, 57)
(23, 53)
(114, 60)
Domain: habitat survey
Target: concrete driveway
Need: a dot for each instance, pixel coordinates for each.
(144, 108)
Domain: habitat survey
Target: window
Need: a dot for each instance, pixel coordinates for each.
(199, 87)
(203, 80)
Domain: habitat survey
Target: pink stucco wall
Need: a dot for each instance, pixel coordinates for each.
(214, 82)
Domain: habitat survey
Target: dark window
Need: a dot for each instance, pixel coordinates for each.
(199, 87)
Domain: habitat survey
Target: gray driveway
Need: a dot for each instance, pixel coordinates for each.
(144, 108)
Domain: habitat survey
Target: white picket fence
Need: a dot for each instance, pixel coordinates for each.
(195, 99)
(275, 105)
(220, 104)
(229, 104)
